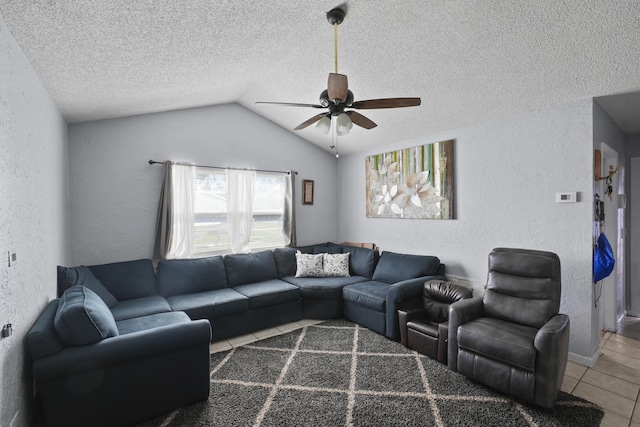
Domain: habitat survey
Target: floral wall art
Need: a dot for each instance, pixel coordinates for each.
(415, 182)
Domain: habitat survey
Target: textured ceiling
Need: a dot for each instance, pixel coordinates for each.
(469, 61)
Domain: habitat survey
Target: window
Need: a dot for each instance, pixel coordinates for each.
(210, 212)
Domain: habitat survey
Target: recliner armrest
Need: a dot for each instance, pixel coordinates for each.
(406, 315)
(552, 344)
(460, 312)
(549, 335)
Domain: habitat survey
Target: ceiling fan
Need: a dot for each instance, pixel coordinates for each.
(337, 98)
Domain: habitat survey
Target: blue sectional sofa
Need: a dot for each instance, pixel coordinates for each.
(125, 342)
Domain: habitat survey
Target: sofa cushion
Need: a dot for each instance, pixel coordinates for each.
(318, 248)
(362, 261)
(143, 323)
(210, 304)
(308, 265)
(188, 276)
(327, 249)
(140, 307)
(127, 280)
(250, 268)
(83, 318)
(82, 275)
(335, 265)
(323, 287)
(393, 267)
(305, 249)
(285, 261)
(268, 293)
(370, 294)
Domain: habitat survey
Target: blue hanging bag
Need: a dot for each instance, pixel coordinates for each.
(603, 261)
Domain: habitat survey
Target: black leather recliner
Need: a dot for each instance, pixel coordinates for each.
(513, 339)
(424, 321)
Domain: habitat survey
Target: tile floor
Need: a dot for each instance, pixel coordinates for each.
(613, 382)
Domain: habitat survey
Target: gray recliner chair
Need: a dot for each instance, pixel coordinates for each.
(513, 339)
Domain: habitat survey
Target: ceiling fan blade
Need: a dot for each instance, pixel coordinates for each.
(337, 87)
(386, 103)
(291, 104)
(311, 121)
(361, 120)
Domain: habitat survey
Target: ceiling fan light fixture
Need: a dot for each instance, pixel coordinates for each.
(324, 124)
(343, 123)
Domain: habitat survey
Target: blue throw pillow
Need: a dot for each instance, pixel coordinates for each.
(83, 318)
(82, 276)
(393, 267)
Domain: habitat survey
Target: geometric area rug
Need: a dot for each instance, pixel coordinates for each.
(338, 373)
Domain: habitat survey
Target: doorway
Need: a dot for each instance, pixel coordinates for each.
(634, 244)
(610, 188)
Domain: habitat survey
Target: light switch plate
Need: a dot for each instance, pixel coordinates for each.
(12, 258)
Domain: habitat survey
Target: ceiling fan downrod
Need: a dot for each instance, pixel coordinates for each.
(335, 18)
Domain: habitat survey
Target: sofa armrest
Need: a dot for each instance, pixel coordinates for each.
(399, 292)
(552, 346)
(122, 349)
(460, 312)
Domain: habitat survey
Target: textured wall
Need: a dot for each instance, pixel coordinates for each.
(33, 208)
(507, 174)
(114, 191)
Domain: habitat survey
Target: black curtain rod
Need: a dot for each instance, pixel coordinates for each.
(153, 162)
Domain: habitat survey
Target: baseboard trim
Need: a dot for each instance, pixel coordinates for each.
(584, 360)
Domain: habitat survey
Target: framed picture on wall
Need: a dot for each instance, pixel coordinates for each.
(414, 182)
(307, 192)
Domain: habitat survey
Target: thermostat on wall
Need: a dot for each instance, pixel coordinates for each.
(570, 197)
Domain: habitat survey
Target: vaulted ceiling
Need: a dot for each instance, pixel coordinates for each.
(469, 61)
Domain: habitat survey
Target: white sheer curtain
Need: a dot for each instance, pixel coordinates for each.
(175, 223)
(183, 183)
(240, 185)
